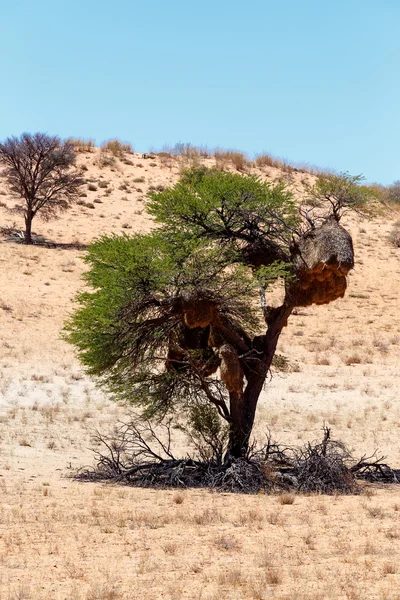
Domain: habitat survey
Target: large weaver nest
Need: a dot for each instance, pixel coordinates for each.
(321, 260)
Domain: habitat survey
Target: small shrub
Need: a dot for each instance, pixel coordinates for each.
(322, 360)
(105, 160)
(389, 569)
(226, 157)
(178, 498)
(266, 160)
(392, 192)
(273, 577)
(116, 148)
(82, 145)
(287, 499)
(92, 187)
(394, 236)
(232, 576)
(229, 543)
(353, 359)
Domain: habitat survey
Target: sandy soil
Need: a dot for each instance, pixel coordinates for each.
(64, 540)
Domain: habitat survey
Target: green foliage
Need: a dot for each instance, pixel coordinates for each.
(165, 310)
(268, 274)
(223, 206)
(123, 327)
(342, 192)
(126, 323)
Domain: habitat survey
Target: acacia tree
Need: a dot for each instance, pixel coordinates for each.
(39, 171)
(178, 321)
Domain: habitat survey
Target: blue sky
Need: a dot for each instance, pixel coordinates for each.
(312, 81)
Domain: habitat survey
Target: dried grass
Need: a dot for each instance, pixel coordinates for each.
(116, 147)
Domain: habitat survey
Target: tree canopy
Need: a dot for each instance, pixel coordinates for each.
(39, 171)
(175, 319)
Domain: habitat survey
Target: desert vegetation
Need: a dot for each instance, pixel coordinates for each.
(40, 174)
(173, 321)
(336, 364)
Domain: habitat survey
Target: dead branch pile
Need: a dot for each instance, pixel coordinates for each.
(324, 467)
(135, 454)
(12, 233)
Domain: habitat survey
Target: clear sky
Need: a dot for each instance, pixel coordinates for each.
(314, 81)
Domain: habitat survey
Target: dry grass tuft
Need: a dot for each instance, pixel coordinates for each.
(227, 542)
(178, 498)
(273, 576)
(116, 147)
(394, 236)
(82, 145)
(225, 158)
(286, 499)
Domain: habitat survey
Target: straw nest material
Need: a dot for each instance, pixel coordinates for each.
(230, 370)
(198, 310)
(321, 261)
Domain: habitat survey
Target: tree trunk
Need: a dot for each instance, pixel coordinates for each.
(28, 227)
(243, 405)
(238, 438)
(243, 411)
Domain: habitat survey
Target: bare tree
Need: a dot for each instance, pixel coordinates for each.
(40, 172)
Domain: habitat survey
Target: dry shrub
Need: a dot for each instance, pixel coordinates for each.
(224, 158)
(178, 498)
(287, 499)
(229, 543)
(206, 517)
(266, 160)
(394, 236)
(389, 569)
(273, 576)
(353, 359)
(82, 145)
(136, 454)
(106, 159)
(116, 147)
(322, 360)
(325, 467)
(232, 576)
(187, 150)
